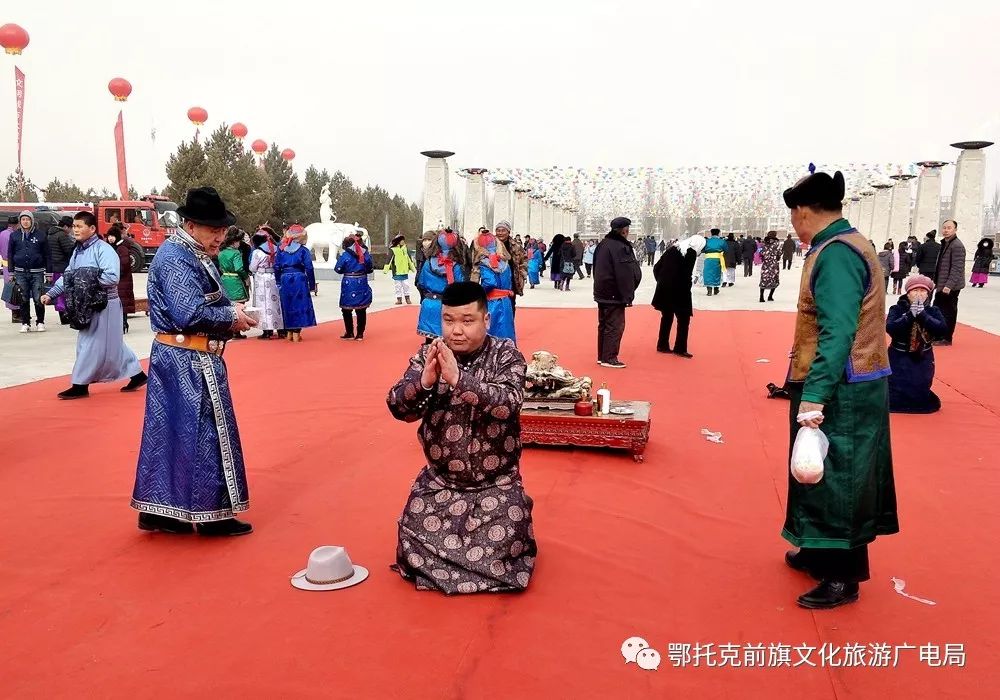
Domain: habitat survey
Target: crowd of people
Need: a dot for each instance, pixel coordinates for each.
(466, 526)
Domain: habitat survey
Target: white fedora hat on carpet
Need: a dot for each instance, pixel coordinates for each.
(329, 569)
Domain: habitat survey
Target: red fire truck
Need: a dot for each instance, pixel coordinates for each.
(148, 221)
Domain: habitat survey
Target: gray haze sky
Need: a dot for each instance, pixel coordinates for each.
(363, 86)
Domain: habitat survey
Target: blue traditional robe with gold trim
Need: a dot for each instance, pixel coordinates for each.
(190, 461)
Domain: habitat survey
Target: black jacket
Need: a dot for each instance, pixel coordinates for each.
(927, 255)
(61, 246)
(673, 282)
(733, 254)
(788, 247)
(29, 251)
(749, 248)
(616, 271)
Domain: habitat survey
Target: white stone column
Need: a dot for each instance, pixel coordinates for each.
(899, 208)
(571, 221)
(880, 215)
(537, 208)
(864, 224)
(854, 211)
(967, 193)
(521, 211)
(501, 202)
(437, 200)
(547, 221)
(927, 213)
(475, 202)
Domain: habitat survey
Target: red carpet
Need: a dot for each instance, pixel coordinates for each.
(681, 549)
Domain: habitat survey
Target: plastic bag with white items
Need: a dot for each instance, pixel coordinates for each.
(809, 451)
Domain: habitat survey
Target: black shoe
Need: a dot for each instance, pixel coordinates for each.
(359, 336)
(77, 391)
(159, 523)
(225, 528)
(663, 350)
(683, 354)
(136, 382)
(614, 364)
(794, 561)
(829, 594)
(347, 336)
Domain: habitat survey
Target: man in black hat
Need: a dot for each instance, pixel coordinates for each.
(616, 277)
(837, 380)
(190, 468)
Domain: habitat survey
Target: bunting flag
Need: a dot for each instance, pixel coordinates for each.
(120, 152)
(19, 97)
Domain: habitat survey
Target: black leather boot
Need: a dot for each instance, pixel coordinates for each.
(160, 523)
(829, 594)
(77, 391)
(225, 528)
(136, 382)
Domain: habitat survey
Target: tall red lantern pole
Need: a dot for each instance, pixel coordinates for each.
(120, 89)
(14, 40)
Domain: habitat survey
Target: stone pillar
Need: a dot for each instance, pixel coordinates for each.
(437, 200)
(864, 224)
(899, 208)
(475, 202)
(501, 202)
(854, 211)
(927, 213)
(536, 216)
(547, 221)
(521, 213)
(880, 215)
(571, 221)
(967, 193)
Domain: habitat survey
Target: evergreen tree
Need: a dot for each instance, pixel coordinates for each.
(16, 184)
(231, 170)
(185, 169)
(133, 194)
(288, 195)
(58, 191)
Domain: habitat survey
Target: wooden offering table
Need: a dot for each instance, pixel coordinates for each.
(563, 427)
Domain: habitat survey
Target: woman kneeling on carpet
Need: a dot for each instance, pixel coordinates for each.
(913, 324)
(355, 264)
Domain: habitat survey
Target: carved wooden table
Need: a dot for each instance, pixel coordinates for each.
(555, 427)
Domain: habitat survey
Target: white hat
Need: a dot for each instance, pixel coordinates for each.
(329, 569)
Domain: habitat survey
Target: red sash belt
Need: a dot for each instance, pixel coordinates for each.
(499, 294)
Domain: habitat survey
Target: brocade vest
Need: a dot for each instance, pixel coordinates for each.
(868, 359)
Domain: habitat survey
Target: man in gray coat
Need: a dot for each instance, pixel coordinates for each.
(949, 277)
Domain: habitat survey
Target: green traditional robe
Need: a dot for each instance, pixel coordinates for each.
(234, 274)
(856, 499)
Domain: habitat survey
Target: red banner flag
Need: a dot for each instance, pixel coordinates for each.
(120, 150)
(19, 95)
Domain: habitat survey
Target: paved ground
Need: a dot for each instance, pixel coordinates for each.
(27, 358)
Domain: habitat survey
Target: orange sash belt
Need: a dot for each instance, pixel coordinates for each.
(499, 294)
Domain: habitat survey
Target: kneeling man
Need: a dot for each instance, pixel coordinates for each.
(466, 527)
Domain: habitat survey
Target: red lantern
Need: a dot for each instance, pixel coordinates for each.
(197, 115)
(259, 146)
(239, 130)
(288, 154)
(120, 88)
(13, 39)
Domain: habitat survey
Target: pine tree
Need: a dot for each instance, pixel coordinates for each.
(58, 191)
(231, 170)
(133, 194)
(185, 169)
(289, 199)
(16, 183)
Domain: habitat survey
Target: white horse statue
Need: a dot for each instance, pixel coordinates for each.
(327, 235)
